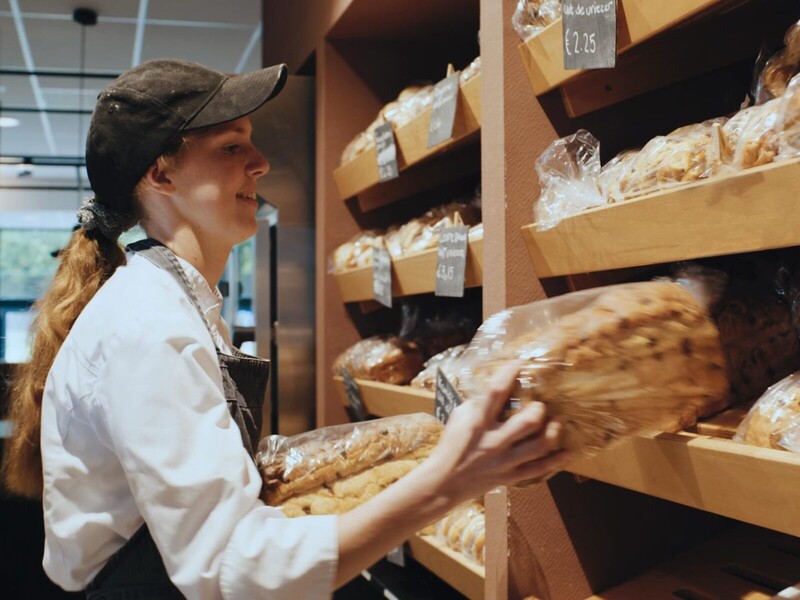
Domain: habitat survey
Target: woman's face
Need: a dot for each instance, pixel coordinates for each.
(215, 182)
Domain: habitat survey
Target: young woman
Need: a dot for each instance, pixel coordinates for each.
(133, 419)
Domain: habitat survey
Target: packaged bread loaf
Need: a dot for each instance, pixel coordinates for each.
(355, 253)
(531, 16)
(774, 420)
(610, 362)
(447, 361)
(463, 529)
(389, 359)
(780, 69)
(334, 469)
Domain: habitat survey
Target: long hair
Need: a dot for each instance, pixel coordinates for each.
(86, 264)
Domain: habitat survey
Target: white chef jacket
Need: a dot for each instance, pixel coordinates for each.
(135, 428)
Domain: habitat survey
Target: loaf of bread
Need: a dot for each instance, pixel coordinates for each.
(446, 361)
(389, 359)
(531, 16)
(330, 470)
(774, 420)
(780, 69)
(637, 357)
(463, 529)
(356, 253)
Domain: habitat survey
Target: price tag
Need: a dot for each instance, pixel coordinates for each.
(355, 404)
(452, 261)
(387, 152)
(590, 33)
(443, 112)
(447, 398)
(397, 556)
(382, 276)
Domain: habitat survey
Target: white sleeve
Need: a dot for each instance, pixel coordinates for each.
(196, 487)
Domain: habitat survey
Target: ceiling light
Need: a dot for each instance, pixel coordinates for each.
(8, 122)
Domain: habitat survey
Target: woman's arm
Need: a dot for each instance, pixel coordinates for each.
(477, 452)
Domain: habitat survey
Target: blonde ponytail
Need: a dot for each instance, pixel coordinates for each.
(86, 264)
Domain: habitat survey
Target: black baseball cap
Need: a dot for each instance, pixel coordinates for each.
(141, 113)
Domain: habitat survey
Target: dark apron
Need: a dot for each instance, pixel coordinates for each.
(136, 571)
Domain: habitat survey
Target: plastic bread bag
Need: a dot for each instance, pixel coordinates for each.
(473, 69)
(774, 420)
(388, 358)
(789, 120)
(685, 155)
(473, 539)
(330, 470)
(411, 102)
(780, 68)
(451, 527)
(447, 361)
(363, 140)
(567, 171)
(612, 173)
(430, 225)
(609, 362)
(751, 137)
(532, 16)
(355, 253)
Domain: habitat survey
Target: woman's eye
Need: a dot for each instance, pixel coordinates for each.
(231, 149)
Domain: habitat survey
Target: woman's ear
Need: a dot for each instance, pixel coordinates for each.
(158, 176)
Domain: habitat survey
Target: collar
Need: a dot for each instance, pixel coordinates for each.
(210, 299)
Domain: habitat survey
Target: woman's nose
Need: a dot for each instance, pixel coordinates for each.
(258, 166)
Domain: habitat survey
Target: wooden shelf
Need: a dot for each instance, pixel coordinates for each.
(747, 483)
(637, 21)
(414, 274)
(748, 211)
(361, 173)
(385, 400)
(742, 562)
(457, 570)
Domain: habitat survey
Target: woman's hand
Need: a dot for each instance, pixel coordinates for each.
(478, 451)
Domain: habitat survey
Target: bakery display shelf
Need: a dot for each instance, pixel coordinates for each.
(450, 566)
(724, 424)
(386, 400)
(743, 212)
(637, 21)
(751, 484)
(742, 562)
(361, 173)
(415, 274)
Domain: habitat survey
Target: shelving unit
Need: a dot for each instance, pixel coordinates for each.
(457, 570)
(747, 211)
(745, 562)
(641, 503)
(411, 275)
(637, 21)
(386, 400)
(360, 174)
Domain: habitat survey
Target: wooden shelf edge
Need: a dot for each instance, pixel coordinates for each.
(415, 274)
(638, 21)
(361, 173)
(458, 571)
(747, 211)
(747, 483)
(385, 400)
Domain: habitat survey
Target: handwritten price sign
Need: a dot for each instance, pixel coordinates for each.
(590, 34)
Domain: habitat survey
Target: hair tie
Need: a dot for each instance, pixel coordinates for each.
(94, 215)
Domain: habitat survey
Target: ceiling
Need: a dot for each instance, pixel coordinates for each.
(40, 36)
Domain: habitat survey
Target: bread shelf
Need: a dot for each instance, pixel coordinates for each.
(744, 212)
(742, 562)
(747, 483)
(385, 400)
(415, 274)
(637, 21)
(457, 570)
(361, 173)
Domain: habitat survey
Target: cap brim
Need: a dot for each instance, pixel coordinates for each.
(239, 96)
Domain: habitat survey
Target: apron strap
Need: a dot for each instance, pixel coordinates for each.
(162, 257)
